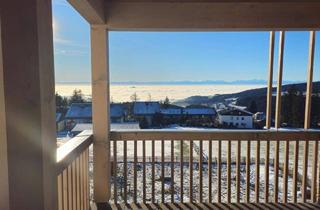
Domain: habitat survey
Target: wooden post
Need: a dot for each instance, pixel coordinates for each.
(27, 107)
(100, 113)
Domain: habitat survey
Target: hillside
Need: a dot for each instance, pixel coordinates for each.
(244, 98)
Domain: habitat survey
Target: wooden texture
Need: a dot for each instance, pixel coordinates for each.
(270, 80)
(229, 172)
(238, 172)
(200, 171)
(27, 101)
(181, 171)
(257, 175)
(186, 15)
(248, 171)
(91, 10)
(100, 113)
(209, 172)
(191, 172)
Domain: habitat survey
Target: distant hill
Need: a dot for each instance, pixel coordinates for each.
(244, 98)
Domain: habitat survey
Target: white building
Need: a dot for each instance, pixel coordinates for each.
(235, 118)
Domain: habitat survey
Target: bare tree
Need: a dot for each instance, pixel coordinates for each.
(134, 97)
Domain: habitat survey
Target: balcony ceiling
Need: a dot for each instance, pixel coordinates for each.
(201, 15)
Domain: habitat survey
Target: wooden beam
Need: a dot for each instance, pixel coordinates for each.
(91, 10)
(189, 15)
(100, 113)
(28, 104)
(4, 179)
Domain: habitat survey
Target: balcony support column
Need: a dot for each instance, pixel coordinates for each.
(27, 107)
(100, 112)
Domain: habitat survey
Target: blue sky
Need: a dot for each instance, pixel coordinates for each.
(174, 56)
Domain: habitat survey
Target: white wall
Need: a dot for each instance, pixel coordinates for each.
(237, 121)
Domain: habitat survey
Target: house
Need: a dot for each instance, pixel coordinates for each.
(235, 118)
(199, 115)
(171, 114)
(144, 112)
(82, 113)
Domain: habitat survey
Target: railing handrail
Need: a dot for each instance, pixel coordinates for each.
(72, 149)
(217, 134)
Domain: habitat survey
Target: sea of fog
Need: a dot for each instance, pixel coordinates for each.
(122, 93)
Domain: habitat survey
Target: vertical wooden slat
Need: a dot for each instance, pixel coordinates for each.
(115, 161)
(191, 172)
(144, 170)
(229, 172)
(78, 182)
(60, 192)
(238, 172)
(135, 172)
(181, 171)
(285, 173)
(87, 193)
(81, 181)
(65, 189)
(210, 171)
(276, 172)
(162, 170)
(248, 172)
(257, 170)
(269, 112)
(295, 171)
(152, 171)
(318, 195)
(69, 187)
(125, 174)
(84, 198)
(200, 170)
(219, 172)
(266, 174)
(278, 112)
(172, 171)
(308, 114)
(74, 186)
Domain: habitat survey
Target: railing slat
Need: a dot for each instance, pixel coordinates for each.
(81, 181)
(125, 173)
(74, 186)
(60, 193)
(78, 183)
(115, 161)
(172, 171)
(257, 170)
(153, 171)
(135, 172)
(285, 173)
(238, 172)
(229, 172)
(200, 171)
(295, 171)
(210, 172)
(181, 171)
(162, 170)
(144, 171)
(276, 172)
(314, 172)
(266, 175)
(248, 172)
(69, 187)
(191, 172)
(219, 172)
(305, 171)
(87, 189)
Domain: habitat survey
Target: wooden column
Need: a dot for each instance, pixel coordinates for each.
(100, 112)
(27, 107)
(4, 179)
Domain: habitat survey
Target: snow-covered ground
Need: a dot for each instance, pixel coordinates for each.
(196, 185)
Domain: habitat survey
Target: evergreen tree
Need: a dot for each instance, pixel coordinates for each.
(77, 97)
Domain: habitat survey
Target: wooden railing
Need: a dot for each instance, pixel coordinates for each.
(73, 173)
(214, 166)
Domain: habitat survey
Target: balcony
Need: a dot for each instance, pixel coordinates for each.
(159, 169)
